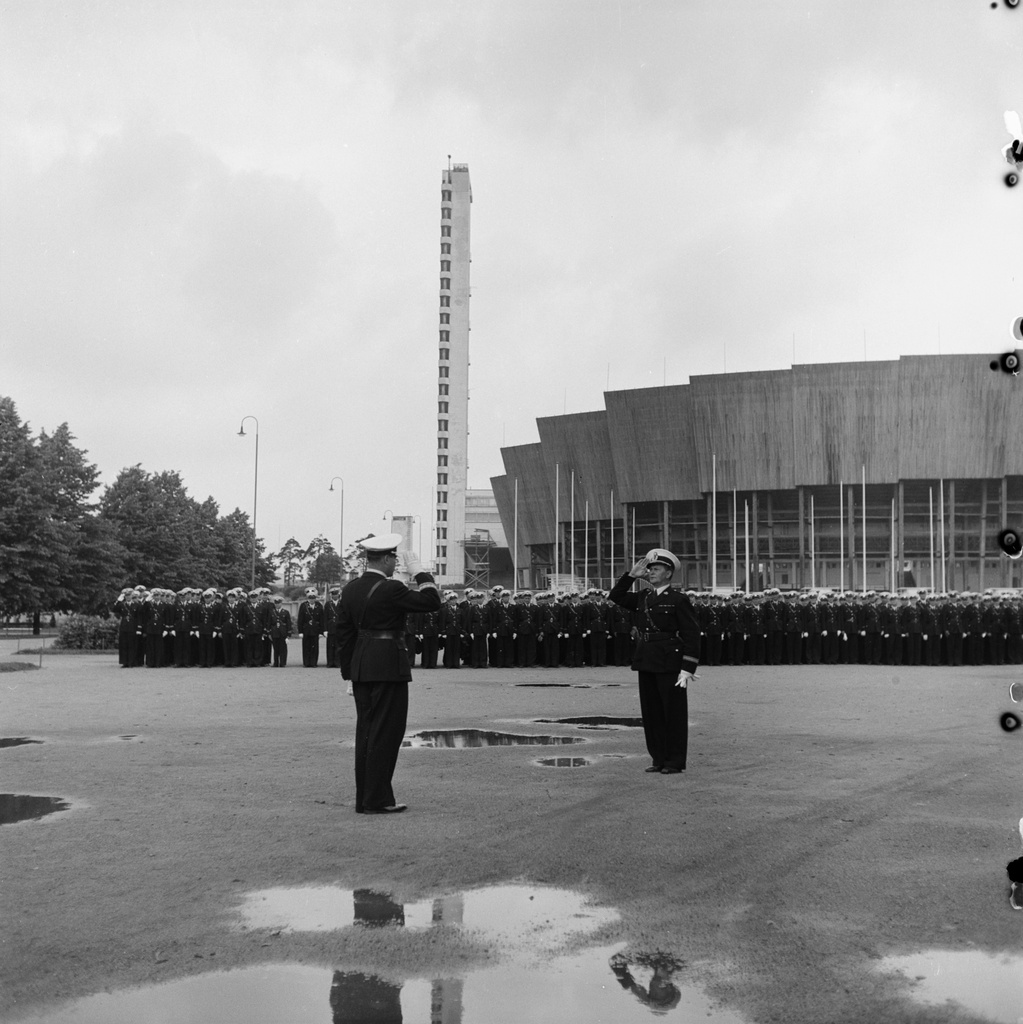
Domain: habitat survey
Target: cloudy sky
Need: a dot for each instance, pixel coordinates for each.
(219, 209)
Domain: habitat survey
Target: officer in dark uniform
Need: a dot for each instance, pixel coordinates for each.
(279, 623)
(371, 640)
(310, 626)
(666, 656)
(527, 617)
(429, 637)
(477, 617)
(330, 624)
(450, 624)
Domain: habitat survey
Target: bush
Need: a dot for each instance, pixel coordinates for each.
(87, 633)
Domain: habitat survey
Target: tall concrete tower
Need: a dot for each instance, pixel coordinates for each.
(453, 375)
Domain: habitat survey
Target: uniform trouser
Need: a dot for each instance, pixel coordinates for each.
(138, 650)
(332, 661)
(622, 648)
(932, 649)
(207, 649)
(410, 647)
(310, 649)
(525, 650)
(793, 655)
(504, 651)
(813, 649)
(598, 649)
(913, 645)
(574, 650)
(775, 639)
(756, 648)
(551, 650)
(231, 651)
(478, 650)
(665, 710)
(492, 652)
(182, 649)
(381, 713)
(870, 649)
(429, 657)
(714, 648)
(280, 646)
(154, 650)
(124, 650)
(452, 643)
(253, 650)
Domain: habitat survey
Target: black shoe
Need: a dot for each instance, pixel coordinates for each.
(672, 771)
(393, 809)
(654, 768)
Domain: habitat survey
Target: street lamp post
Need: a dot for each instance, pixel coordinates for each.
(255, 492)
(341, 535)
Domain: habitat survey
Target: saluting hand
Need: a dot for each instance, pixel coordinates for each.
(638, 571)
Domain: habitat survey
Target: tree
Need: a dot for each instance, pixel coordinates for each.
(292, 559)
(326, 568)
(52, 553)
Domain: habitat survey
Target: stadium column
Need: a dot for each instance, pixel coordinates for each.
(710, 554)
(951, 556)
(755, 539)
(983, 528)
(850, 550)
(802, 513)
(901, 549)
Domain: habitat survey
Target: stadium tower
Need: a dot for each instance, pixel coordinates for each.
(453, 375)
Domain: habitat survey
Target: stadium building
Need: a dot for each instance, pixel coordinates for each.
(868, 475)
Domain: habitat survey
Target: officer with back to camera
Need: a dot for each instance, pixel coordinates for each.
(666, 656)
(371, 646)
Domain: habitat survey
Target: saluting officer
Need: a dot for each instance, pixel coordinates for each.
(371, 638)
(666, 656)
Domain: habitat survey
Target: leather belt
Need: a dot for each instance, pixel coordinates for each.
(381, 634)
(657, 636)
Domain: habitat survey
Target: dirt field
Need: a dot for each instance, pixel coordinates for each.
(829, 817)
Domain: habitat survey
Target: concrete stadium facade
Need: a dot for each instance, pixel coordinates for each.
(934, 444)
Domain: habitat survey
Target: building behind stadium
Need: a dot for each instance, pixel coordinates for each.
(870, 475)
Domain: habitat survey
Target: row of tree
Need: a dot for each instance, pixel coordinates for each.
(62, 550)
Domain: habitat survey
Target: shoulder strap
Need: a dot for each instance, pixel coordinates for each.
(369, 597)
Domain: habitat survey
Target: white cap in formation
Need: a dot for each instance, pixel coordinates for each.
(310, 591)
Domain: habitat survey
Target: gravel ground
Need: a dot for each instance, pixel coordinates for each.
(830, 816)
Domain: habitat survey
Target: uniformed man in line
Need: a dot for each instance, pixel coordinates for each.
(621, 634)
(775, 634)
(207, 623)
(600, 627)
(330, 624)
(279, 626)
(490, 602)
(124, 609)
(502, 631)
(412, 642)
(477, 619)
(667, 648)
(373, 656)
(549, 628)
(429, 637)
(527, 619)
(450, 622)
(232, 629)
(310, 626)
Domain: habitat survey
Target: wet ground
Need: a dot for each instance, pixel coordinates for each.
(16, 741)
(539, 976)
(827, 821)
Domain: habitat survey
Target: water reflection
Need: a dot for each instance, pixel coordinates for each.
(534, 980)
(984, 984)
(563, 762)
(481, 738)
(16, 807)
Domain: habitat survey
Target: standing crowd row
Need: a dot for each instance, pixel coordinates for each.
(499, 629)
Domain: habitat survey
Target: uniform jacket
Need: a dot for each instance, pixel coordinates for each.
(667, 612)
(310, 617)
(372, 659)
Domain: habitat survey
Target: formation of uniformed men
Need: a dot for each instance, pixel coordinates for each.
(499, 629)
(160, 628)
(872, 628)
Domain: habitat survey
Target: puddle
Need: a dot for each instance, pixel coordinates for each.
(544, 684)
(16, 741)
(563, 762)
(576, 989)
(534, 980)
(984, 984)
(594, 721)
(16, 807)
(481, 738)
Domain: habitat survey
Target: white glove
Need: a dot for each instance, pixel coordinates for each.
(410, 563)
(684, 678)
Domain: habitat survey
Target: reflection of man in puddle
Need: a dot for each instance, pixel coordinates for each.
(660, 993)
(357, 998)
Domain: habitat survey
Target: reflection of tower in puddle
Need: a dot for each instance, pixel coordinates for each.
(375, 909)
(446, 993)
